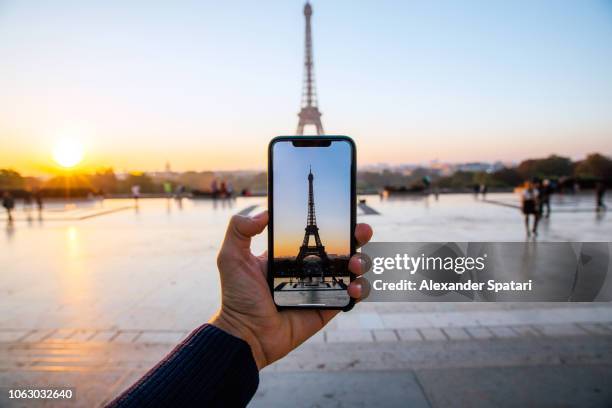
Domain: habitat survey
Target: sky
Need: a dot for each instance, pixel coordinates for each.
(206, 84)
(331, 168)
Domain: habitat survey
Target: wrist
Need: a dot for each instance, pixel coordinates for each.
(231, 325)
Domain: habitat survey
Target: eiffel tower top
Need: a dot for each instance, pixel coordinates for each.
(309, 114)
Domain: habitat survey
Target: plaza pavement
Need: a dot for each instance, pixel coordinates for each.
(93, 303)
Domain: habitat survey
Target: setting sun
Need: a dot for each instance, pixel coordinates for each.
(68, 153)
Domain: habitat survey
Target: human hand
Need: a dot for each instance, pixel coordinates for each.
(247, 308)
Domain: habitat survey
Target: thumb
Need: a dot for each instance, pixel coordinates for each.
(241, 229)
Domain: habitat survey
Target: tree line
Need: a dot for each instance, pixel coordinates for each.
(595, 167)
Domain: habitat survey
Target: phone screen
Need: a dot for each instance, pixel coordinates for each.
(311, 222)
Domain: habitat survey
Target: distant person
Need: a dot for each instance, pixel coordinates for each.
(600, 191)
(168, 189)
(530, 208)
(39, 200)
(544, 192)
(136, 193)
(214, 189)
(8, 202)
(230, 189)
(476, 189)
(27, 201)
(179, 191)
(178, 195)
(218, 364)
(223, 189)
(483, 190)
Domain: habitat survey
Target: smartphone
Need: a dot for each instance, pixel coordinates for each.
(311, 204)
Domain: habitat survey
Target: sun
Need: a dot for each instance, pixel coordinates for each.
(68, 153)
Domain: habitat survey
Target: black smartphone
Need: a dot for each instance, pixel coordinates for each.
(311, 203)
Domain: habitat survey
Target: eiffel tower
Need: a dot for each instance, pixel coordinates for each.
(311, 229)
(309, 114)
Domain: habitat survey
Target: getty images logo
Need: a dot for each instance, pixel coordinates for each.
(412, 264)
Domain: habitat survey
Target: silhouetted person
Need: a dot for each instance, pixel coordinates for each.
(483, 190)
(544, 192)
(214, 190)
(8, 202)
(27, 201)
(476, 189)
(168, 189)
(600, 190)
(223, 190)
(136, 193)
(39, 200)
(178, 195)
(530, 207)
(179, 191)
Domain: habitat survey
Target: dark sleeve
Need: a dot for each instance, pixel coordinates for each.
(210, 368)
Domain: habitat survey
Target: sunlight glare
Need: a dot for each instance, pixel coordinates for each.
(68, 153)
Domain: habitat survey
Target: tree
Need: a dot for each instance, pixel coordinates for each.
(141, 179)
(104, 180)
(459, 179)
(594, 166)
(551, 167)
(508, 177)
(11, 180)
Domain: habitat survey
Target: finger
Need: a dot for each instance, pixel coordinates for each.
(359, 264)
(359, 289)
(241, 229)
(363, 234)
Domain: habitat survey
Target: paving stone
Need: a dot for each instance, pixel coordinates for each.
(11, 336)
(38, 335)
(385, 335)
(349, 321)
(503, 332)
(480, 333)
(539, 386)
(526, 331)
(487, 318)
(595, 328)
(82, 335)
(60, 334)
(125, 337)
(409, 335)
(104, 335)
(456, 333)
(553, 330)
(433, 334)
(349, 336)
(339, 389)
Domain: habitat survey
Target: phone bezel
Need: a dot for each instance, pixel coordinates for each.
(353, 241)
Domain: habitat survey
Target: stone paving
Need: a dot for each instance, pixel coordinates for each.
(93, 302)
(99, 367)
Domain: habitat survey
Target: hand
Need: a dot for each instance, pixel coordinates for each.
(247, 309)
